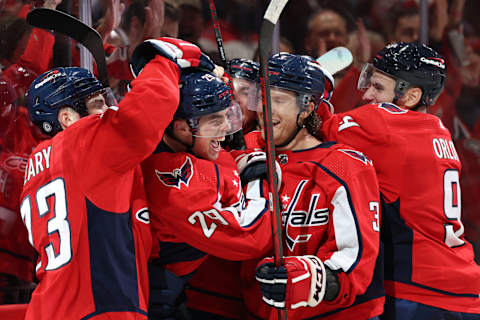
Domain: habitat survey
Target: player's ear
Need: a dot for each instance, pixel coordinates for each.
(412, 97)
(181, 128)
(67, 116)
(306, 113)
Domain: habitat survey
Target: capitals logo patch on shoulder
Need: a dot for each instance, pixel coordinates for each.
(357, 155)
(392, 108)
(178, 175)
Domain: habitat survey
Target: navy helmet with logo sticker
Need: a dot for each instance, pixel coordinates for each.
(298, 73)
(58, 88)
(413, 65)
(202, 93)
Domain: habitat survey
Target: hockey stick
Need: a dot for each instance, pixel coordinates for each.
(66, 24)
(335, 59)
(270, 18)
(274, 9)
(236, 140)
(218, 34)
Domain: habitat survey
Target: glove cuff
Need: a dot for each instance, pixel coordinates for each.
(317, 284)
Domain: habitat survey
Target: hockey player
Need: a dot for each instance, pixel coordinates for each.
(218, 218)
(429, 268)
(330, 208)
(244, 73)
(81, 186)
(215, 288)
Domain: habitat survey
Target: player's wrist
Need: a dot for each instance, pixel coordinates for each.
(332, 285)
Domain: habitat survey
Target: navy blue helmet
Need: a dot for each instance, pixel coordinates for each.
(298, 73)
(243, 68)
(413, 65)
(201, 93)
(57, 88)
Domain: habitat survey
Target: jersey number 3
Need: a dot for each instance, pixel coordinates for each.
(57, 224)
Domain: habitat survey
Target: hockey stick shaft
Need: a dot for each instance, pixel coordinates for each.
(218, 33)
(272, 14)
(270, 18)
(68, 25)
(235, 141)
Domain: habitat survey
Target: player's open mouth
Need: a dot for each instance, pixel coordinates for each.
(215, 144)
(275, 122)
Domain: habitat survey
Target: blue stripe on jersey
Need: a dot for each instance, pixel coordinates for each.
(398, 241)
(112, 260)
(359, 236)
(218, 177)
(397, 238)
(172, 252)
(375, 288)
(118, 309)
(323, 145)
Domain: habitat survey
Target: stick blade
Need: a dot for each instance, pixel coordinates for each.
(66, 24)
(336, 59)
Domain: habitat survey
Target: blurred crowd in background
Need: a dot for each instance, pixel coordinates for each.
(306, 27)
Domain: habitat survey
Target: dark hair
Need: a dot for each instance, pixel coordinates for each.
(340, 7)
(397, 12)
(313, 123)
(135, 9)
(172, 13)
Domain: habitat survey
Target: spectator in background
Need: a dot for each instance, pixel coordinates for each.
(327, 28)
(17, 256)
(171, 19)
(19, 62)
(141, 19)
(192, 22)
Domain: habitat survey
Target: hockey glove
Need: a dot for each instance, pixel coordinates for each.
(183, 53)
(300, 282)
(253, 165)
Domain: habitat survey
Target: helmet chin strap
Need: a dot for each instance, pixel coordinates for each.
(293, 136)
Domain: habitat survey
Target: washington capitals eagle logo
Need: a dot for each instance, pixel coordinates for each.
(357, 155)
(177, 176)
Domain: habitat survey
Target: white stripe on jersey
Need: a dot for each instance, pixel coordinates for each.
(346, 233)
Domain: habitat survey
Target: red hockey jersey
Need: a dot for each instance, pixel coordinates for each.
(427, 259)
(330, 208)
(201, 203)
(77, 205)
